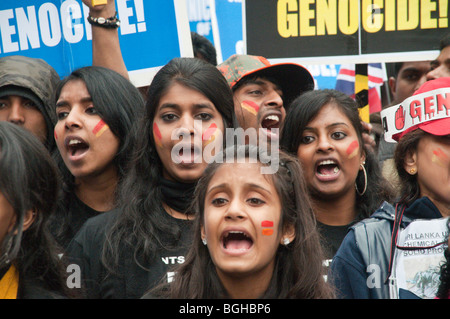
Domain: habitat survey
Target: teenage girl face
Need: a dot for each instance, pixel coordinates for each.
(174, 129)
(431, 161)
(242, 221)
(84, 140)
(330, 153)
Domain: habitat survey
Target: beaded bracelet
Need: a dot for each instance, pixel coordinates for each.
(109, 23)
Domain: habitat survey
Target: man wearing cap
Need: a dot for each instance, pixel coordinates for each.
(26, 89)
(262, 91)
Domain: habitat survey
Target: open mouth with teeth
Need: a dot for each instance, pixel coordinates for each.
(236, 241)
(76, 147)
(327, 168)
(270, 122)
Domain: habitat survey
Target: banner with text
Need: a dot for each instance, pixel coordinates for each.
(345, 31)
(151, 33)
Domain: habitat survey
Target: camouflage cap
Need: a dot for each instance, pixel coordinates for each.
(293, 78)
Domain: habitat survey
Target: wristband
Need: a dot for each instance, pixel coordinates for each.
(109, 23)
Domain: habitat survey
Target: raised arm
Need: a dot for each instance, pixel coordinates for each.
(106, 50)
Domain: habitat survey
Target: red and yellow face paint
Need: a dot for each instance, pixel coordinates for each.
(267, 231)
(100, 128)
(157, 135)
(250, 107)
(209, 135)
(352, 149)
(440, 158)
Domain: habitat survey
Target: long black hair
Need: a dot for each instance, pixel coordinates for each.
(139, 224)
(119, 103)
(304, 109)
(29, 181)
(298, 271)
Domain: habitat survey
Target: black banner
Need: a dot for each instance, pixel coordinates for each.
(321, 28)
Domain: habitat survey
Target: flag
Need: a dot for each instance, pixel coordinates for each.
(376, 74)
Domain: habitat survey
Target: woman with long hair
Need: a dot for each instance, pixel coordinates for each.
(29, 264)
(188, 108)
(323, 129)
(96, 110)
(254, 235)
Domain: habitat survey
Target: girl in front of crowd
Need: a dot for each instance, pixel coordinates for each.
(96, 109)
(121, 255)
(255, 235)
(390, 254)
(324, 130)
(29, 264)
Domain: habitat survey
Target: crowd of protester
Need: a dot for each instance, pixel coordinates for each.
(143, 194)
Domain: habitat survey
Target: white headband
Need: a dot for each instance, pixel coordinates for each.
(417, 109)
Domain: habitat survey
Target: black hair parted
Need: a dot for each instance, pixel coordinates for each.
(140, 192)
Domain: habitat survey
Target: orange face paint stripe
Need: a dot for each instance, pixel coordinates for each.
(250, 106)
(352, 149)
(157, 135)
(439, 157)
(267, 231)
(100, 128)
(56, 136)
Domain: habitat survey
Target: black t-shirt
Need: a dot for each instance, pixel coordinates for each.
(131, 280)
(77, 214)
(331, 238)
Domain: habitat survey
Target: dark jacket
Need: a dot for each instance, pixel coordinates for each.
(365, 251)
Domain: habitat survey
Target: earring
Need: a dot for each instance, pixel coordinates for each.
(365, 182)
(412, 171)
(286, 241)
(204, 241)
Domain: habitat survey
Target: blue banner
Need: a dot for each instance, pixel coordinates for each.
(199, 14)
(58, 32)
(229, 21)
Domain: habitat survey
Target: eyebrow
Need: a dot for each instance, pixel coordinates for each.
(328, 126)
(62, 103)
(197, 106)
(262, 81)
(248, 185)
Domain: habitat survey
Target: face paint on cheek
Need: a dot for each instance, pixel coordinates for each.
(352, 149)
(157, 135)
(440, 158)
(56, 136)
(100, 128)
(267, 231)
(210, 134)
(250, 107)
